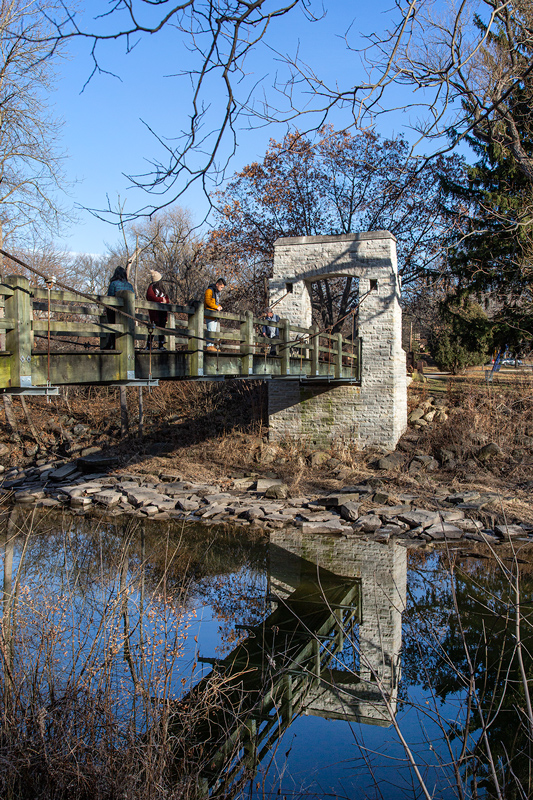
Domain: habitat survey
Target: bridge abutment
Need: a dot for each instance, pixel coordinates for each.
(374, 412)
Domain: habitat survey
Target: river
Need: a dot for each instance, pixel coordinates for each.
(230, 664)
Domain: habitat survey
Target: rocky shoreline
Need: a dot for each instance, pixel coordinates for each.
(369, 509)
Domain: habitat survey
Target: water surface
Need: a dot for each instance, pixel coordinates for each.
(300, 666)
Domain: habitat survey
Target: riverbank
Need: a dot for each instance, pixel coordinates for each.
(465, 465)
(149, 556)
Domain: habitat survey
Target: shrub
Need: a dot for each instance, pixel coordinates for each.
(465, 338)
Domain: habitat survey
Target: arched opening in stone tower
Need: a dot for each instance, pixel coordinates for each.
(335, 304)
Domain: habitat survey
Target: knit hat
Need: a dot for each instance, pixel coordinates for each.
(156, 276)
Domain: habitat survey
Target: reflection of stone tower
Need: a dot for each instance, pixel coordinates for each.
(382, 570)
(329, 647)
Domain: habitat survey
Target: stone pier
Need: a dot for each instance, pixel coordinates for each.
(374, 412)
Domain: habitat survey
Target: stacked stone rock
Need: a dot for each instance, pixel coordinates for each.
(355, 511)
(434, 409)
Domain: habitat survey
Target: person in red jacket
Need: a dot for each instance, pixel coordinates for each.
(156, 294)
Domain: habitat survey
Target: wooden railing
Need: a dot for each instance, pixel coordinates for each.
(51, 336)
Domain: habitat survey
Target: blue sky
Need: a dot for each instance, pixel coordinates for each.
(104, 137)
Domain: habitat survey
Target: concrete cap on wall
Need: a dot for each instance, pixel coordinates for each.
(342, 237)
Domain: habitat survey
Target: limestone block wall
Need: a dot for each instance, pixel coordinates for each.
(316, 415)
(376, 411)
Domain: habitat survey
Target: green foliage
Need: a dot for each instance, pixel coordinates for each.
(465, 339)
(490, 248)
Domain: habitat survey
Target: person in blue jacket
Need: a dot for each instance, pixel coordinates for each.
(119, 283)
(270, 329)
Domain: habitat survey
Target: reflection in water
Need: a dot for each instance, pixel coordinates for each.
(102, 682)
(105, 613)
(329, 648)
(380, 570)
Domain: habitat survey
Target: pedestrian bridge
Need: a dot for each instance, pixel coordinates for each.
(55, 337)
(330, 647)
(322, 388)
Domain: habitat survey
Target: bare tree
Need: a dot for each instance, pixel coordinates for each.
(48, 259)
(469, 66)
(219, 35)
(336, 183)
(464, 62)
(169, 244)
(30, 164)
(88, 272)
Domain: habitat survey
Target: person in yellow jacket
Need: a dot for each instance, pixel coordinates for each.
(212, 303)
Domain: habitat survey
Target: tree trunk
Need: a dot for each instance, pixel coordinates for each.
(141, 412)
(29, 420)
(10, 415)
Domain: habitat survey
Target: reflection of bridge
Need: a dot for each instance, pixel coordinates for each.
(314, 654)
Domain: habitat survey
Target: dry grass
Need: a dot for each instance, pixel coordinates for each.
(92, 647)
(479, 415)
(217, 431)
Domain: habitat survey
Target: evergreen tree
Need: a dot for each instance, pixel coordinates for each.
(490, 250)
(465, 337)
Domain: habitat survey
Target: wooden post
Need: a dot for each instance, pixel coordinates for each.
(285, 326)
(195, 358)
(247, 345)
(249, 740)
(339, 636)
(18, 340)
(338, 360)
(125, 342)
(317, 666)
(124, 420)
(171, 339)
(287, 695)
(104, 337)
(315, 351)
